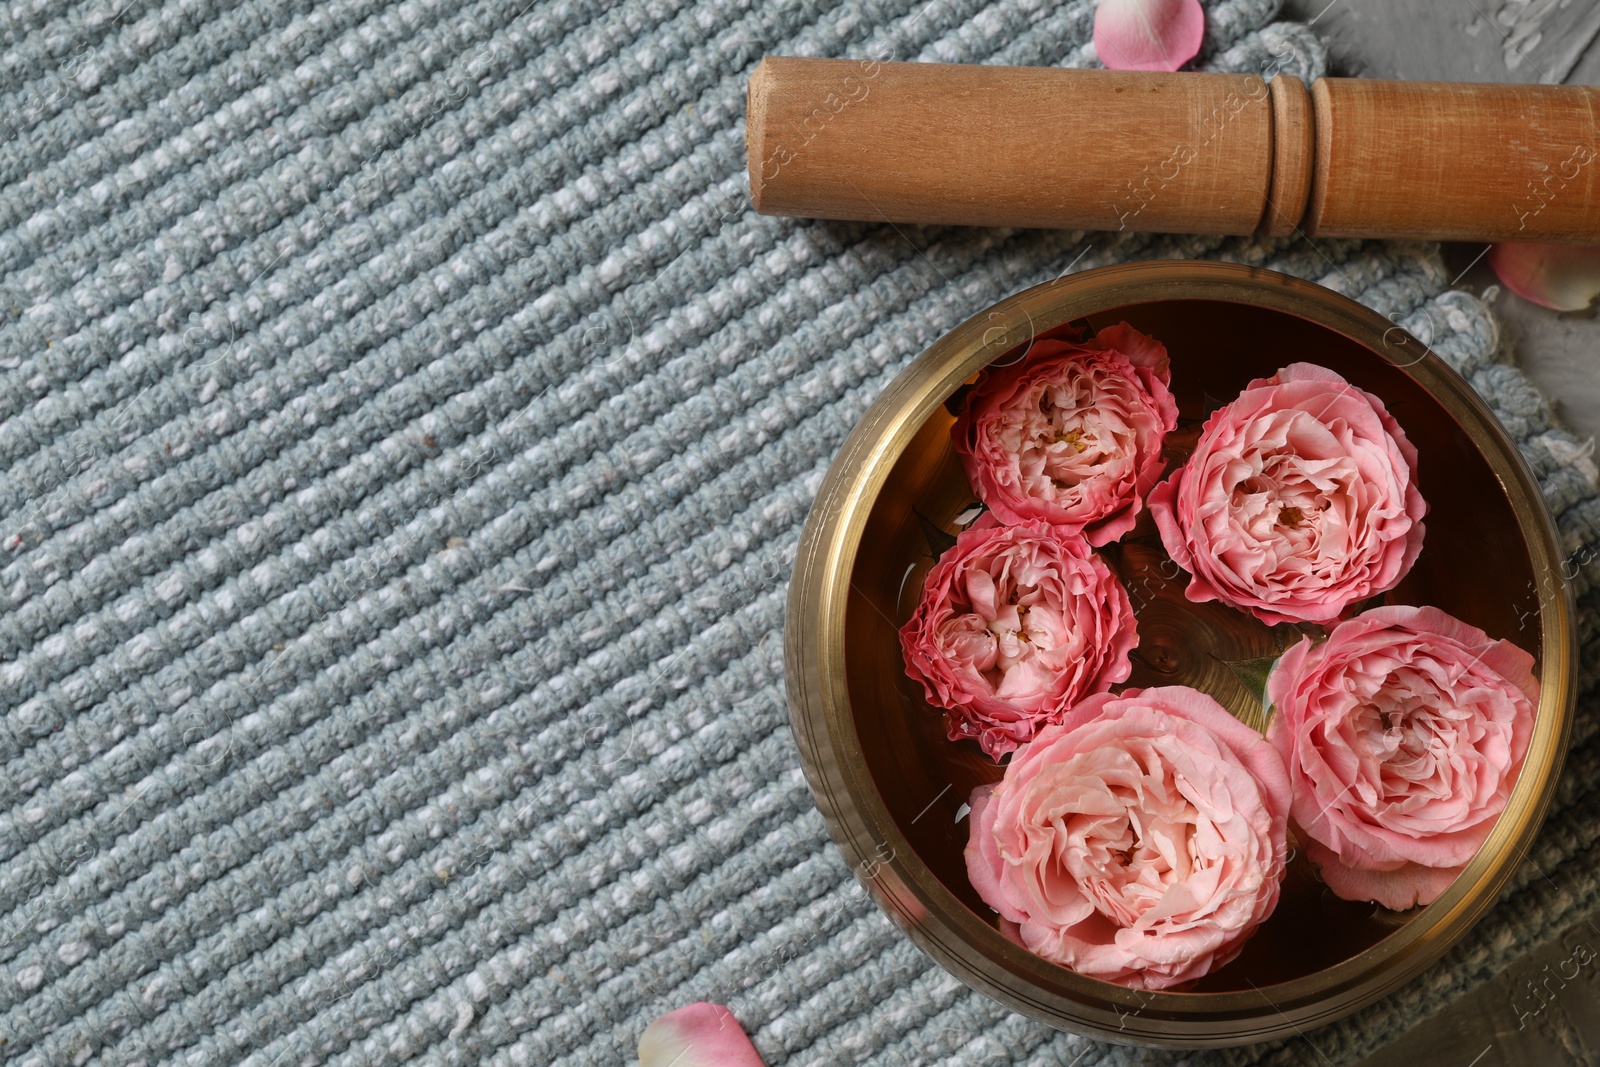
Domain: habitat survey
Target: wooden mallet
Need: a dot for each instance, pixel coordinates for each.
(1177, 153)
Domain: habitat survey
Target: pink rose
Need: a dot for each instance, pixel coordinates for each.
(1072, 434)
(1016, 624)
(1141, 841)
(1403, 733)
(1298, 502)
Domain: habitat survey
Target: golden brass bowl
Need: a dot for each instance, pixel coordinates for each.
(892, 787)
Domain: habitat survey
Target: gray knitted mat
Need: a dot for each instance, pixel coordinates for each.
(405, 432)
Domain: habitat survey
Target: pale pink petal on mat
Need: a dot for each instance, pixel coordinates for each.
(1563, 277)
(1148, 34)
(699, 1035)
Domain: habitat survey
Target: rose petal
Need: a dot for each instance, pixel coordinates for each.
(1404, 887)
(1148, 34)
(698, 1035)
(1141, 349)
(1557, 276)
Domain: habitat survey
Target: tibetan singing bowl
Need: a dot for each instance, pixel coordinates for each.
(893, 788)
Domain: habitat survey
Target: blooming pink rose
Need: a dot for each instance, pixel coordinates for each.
(1403, 733)
(1016, 624)
(1072, 434)
(1299, 500)
(1140, 841)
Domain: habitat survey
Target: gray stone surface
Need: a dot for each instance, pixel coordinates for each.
(1549, 41)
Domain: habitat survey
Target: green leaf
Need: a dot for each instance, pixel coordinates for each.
(1252, 673)
(939, 541)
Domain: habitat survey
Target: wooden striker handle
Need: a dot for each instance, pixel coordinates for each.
(1176, 153)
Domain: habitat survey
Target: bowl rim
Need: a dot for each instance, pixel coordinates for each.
(859, 821)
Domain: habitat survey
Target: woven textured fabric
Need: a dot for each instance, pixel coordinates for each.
(405, 433)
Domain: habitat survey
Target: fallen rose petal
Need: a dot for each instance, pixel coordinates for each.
(1556, 276)
(698, 1035)
(1148, 34)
